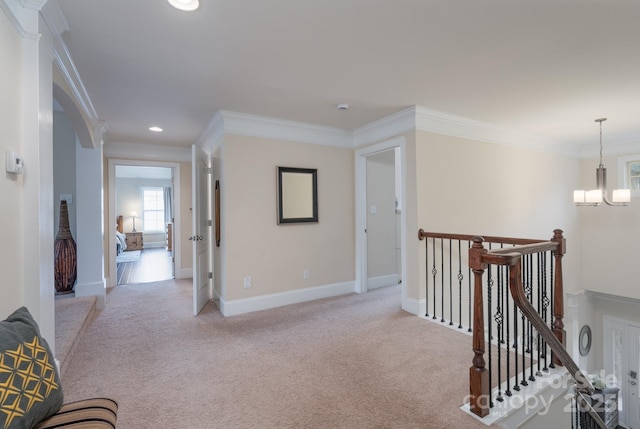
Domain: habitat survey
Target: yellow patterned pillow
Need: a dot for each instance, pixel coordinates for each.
(30, 389)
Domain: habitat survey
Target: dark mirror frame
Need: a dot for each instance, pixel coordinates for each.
(313, 172)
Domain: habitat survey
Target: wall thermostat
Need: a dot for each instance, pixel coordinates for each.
(14, 163)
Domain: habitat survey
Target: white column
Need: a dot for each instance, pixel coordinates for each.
(37, 150)
(90, 224)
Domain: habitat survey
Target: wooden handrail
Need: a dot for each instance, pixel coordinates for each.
(422, 234)
(479, 259)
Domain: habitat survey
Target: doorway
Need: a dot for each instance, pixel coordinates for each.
(621, 356)
(384, 259)
(390, 157)
(144, 221)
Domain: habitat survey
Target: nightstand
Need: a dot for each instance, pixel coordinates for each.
(134, 241)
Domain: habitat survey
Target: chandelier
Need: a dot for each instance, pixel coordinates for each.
(595, 197)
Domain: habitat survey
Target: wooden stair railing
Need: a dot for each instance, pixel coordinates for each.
(479, 259)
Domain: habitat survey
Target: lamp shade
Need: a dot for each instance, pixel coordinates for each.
(579, 196)
(594, 196)
(621, 195)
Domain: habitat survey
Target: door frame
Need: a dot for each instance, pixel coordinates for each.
(361, 211)
(111, 224)
(606, 357)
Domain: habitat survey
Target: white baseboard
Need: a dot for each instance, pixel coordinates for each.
(265, 302)
(97, 289)
(414, 306)
(154, 244)
(381, 281)
(184, 273)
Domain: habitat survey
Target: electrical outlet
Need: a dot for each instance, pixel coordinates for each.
(247, 282)
(305, 274)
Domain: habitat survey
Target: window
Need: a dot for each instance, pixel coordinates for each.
(153, 209)
(629, 167)
(633, 173)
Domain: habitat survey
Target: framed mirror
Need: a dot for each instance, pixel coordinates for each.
(297, 195)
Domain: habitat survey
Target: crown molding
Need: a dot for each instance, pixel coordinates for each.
(24, 19)
(417, 118)
(245, 124)
(624, 147)
(147, 151)
(57, 24)
(33, 4)
(211, 137)
(456, 126)
(395, 124)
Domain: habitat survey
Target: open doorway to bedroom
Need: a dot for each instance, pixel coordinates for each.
(142, 204)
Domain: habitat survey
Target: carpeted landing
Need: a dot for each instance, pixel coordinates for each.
(356, 361)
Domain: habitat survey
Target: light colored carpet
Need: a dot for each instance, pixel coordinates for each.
(349, 362)
(73, 315)
(132, 256)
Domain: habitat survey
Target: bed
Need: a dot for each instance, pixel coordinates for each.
(121, 242)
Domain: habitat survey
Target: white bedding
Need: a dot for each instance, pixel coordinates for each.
(122, 243)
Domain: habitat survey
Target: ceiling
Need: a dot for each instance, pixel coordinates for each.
(538, 68)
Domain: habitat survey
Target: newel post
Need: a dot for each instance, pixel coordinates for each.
(558, 292)
(478, 374)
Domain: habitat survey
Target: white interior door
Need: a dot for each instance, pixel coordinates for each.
(621, 355)
(633, 396)
(201, 197)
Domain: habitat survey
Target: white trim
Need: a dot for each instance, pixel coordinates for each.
(414, 306)
(111, 222)
(279, 129)
(456, 126)
(361, 214)
(624, 147)
(184, 273)
(382, 281)
(615, 298)
(147, 152)
(526, 403)
(24, 20)
(265, 302)
(97, 289)
(417, 118)
(57, 24)
(623, 181)
(393, 125)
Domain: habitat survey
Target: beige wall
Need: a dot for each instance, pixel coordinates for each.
(275, 256)
(472, 187)
(610, 238)
(11, 186)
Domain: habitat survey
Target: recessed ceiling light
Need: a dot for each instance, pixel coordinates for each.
(155, 129)
(188, 5)
(343, 106)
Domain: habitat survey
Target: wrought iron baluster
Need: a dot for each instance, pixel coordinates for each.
(469, 283)
(460, 278)
(553, 259)
(426, 275)
(489, 328)
(499, 328)
(442, 280)
(508, 342)
(523, 382)
(434, 272)
(450, 284)
(530, 326)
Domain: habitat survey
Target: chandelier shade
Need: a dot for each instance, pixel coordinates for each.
(595, 197)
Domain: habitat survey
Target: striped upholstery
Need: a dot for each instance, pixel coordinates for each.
(96, 413)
